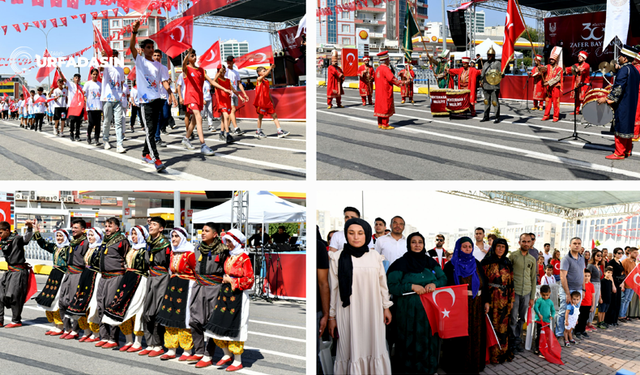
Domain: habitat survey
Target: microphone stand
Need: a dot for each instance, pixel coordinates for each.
(576, 99)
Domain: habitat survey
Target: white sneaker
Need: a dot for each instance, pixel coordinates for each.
(187, 144)
(206, 150)
(55, 131)
(107, 145)
(120, 149)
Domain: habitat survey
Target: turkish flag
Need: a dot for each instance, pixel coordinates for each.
(56, 3)
(39, 3)
(262, 56)
(513, 28)
(350, 62)
(105, 13)
(115, 12)
(45, 70)
(4, 28)
(63, 20)
(54, 22)
(447, 310)
(102, 44)
(17, 27)
(25, 92)
(549, 346)
(16, 1)
(492, 338)
(26, 25)
(211, 58)
(132, 74)
(83, 17)
(77, 103)
(36, 24)
(175, 37)
(44, 24)
(633, 280)
(593, 244)
(89, 2)
(72, 4)
(139, 5)
(94, 15)
(54, 84)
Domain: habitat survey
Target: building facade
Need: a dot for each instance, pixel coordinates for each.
(233, 48)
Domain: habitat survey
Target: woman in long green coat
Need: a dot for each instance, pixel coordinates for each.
(417, 350)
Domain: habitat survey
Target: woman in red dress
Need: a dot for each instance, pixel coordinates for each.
(194, 77)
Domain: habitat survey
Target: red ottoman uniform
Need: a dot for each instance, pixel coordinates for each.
(365, 86)
(467, 79)
(334, 85)
(406, 90)
(554, 80)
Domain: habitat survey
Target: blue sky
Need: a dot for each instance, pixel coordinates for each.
(76, 36)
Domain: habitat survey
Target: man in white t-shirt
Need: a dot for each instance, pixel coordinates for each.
(151, 81)
(74, 121)
(480, 248)
(38, 109)
(234, 76)
(163, 118)
(393, 245)
(59, 106)
(111, 93)
(546, 254)
(135, 107)
(31, 116)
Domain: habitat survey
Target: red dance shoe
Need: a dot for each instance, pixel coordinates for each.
(166, 357)
(110, 345)
(234, 368)
(125, 348)
(64, 335)
(48, 332)
(145, 352)
(224, 361)
(156, 353)
(545, 118)
(194, 358)
(55, 333)
(71, 337)
(133, 350)
(614, 157)
(83, 338)
(100, 343)
(95, 339)
(202, 364)
(13, 325)
(183, 358)
(555, 119)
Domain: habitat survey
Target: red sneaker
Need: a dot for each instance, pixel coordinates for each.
(202, 364)
(100, 343)
(159, 166)
(145, 352)
(110, 345)
(224, 361)
(234, 368)
(125, 348)
(13, 325)
(156, 353)
(166, 357)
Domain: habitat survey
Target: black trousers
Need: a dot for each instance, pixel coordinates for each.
(150, 114)
(135, 112)
(74, 124)
(581, 326)
(536, 341)
(37, 123)
(95, 121)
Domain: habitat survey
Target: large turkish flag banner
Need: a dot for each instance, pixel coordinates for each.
(447, 310)
(211, 58)
(350, 62)
(549, 346)
(45, 70)
(5, 212)
(633, 280)
(513, 28)
(176, 37)
(260, 56)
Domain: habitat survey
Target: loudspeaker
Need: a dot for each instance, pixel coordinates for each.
(634, 15)
(279, 72)
(176, 61)
(458, 29)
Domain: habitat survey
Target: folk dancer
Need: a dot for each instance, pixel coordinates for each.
(553, 83)
(407, 75)
(228, 325)
(385, 80)
(335, 77)
(174, 314)
(14, 284)
(539, 91)
(491, 92)
(366, 77)
(467, 79)
(210, 255)
(157, 259)
(581, 72)
(79, 246)
(624, 99)
(126, 308)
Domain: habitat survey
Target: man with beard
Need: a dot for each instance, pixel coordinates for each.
(553, 85)
(158, 253)
(385, 80)
(467, 78)
(335, 77)
(14, 282)
(79, 246)
(112, 252)
(581, 72)
(491, 92)
(407, 75)
(438, 253)
(537, 73)
(366, 74)
(624, 99)
(441, 70)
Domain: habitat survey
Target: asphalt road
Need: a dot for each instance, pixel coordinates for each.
(29, 155)
(276, 345)
(423, 147)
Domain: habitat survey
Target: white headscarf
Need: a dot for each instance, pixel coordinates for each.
(98, 234)
(235, 240)
(142, 237)
(184, 244)
(66, 238)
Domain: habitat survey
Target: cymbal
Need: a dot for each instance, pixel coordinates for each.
(612, 66)
(604, 67)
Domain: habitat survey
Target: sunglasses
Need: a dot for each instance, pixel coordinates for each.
(439, 240)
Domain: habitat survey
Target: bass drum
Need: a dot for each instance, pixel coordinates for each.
(594, 113)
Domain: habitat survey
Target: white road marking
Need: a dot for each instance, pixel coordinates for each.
(211, 139)
(276, 336)
(276, 324)
(520, 151)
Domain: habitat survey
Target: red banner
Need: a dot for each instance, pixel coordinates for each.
(350, 62)
(291, 44)
(447, 310)
(581, 32)
(289, 278)
(549, 346)
(514, 27)
(290, 104)
(206, 6)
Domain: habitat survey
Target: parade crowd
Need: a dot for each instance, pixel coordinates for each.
(548, 81)
(370, 283)
(105, 98)
(146, 285)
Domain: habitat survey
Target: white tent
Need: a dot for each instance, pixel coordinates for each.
(483, 47)
(264, 207)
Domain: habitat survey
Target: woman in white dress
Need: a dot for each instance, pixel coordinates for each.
(360, 304)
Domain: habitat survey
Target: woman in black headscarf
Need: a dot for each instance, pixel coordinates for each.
(417, 350)
(359, 304)
(499, 271)
(466, 355)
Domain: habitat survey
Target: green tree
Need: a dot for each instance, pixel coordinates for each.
(290, 228)
(498, 233)
(532, 36)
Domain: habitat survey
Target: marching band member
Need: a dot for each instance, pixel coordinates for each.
(539, 91)
(467, 78)
(384, 108)
(366, 76)
(335, 77)
(407, 75)
(581, 72)
(553, 84)
(491, 92)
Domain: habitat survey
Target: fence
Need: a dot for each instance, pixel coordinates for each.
(423, 75)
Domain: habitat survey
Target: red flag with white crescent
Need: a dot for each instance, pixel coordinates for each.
(447, 310)
(633, 280)
(211, 58)
(513, 28)
(100, 42)
(176, 37)
(549, 346)
(262, 56)
(77, 103)
(350, 62)
(45, 70)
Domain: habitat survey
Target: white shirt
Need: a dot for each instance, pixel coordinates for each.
(477, 252)
(234, 77)
(391, 248)
(338, 240)
(111, 84)
(149, 77)
(547, 280)
(72, 92)
(206, 90)
(30, 105)
(163, 92)
(547, 257)
(92, 94)
(134, 96)
(123, 98)
(61, 98)
(38, 107)
(440, 256)
(180, 82)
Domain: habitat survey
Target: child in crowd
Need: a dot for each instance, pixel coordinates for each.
(586, 306)
(606, 288)
(555, 262)
(544, 311)
(571, 318)
(548, 278)
(540, 269)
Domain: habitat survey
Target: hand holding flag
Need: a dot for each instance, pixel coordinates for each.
(447, 310)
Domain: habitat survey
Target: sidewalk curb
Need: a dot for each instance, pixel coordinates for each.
(38, 269)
